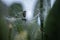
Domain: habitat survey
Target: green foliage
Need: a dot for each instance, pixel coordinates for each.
(3, 24)
(15, 9)
(19, 25)
(52, 24)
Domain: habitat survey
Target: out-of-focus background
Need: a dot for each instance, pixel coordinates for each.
(28, 5)
(22, 19)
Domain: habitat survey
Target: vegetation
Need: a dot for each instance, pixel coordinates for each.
(3, 25)
(15, 9)
(22, 30)
(52, 26)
